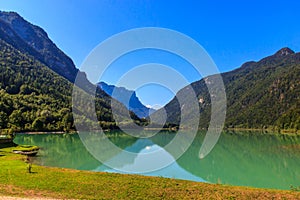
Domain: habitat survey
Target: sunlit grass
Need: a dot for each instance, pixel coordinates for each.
(24, 148)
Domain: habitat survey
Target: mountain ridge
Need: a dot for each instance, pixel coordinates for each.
(34, 70)
(260, 94)
(41, 46)
(128, 98)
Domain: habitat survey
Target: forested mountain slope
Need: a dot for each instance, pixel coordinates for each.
(34, 98)
(263, 94)
(36, 82)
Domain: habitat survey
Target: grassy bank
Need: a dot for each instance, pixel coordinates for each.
(65, 183)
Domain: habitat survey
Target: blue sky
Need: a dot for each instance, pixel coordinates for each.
(232, 32)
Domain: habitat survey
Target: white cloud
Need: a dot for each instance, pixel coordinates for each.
(155, 106)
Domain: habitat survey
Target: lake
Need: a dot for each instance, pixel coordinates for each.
(239, 158)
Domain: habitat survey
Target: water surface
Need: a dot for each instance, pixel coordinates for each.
(240, 158)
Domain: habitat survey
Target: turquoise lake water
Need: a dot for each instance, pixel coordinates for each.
(239, 158)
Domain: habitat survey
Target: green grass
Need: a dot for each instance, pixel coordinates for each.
(24, 148)
(65, 183)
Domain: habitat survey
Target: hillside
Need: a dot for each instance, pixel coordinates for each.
(263, 94)
(34, 98)
(128, 98)
(36, 83)
(33, 40)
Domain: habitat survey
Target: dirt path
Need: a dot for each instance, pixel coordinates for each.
(22, 198)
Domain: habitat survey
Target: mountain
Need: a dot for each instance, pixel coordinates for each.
(263, 94)
(34, 98)
(128, 98)
(36, 83)
(32, 39)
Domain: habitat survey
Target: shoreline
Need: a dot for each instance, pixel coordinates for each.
(50, 183)
(44, 132)
(283, 131)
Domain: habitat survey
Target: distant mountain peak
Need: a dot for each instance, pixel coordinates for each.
(128, 98)
(284, 52)
(9, 15)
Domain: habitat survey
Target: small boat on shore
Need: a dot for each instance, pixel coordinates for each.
(27, 150)
(27, 153)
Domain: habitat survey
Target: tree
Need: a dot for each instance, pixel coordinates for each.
(3, 120)
(15, 119)
(38, 124)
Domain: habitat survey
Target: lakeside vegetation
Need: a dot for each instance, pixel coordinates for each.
(264, 130)
(74, 184)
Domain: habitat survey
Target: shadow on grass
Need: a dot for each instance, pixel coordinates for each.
(6, 145)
